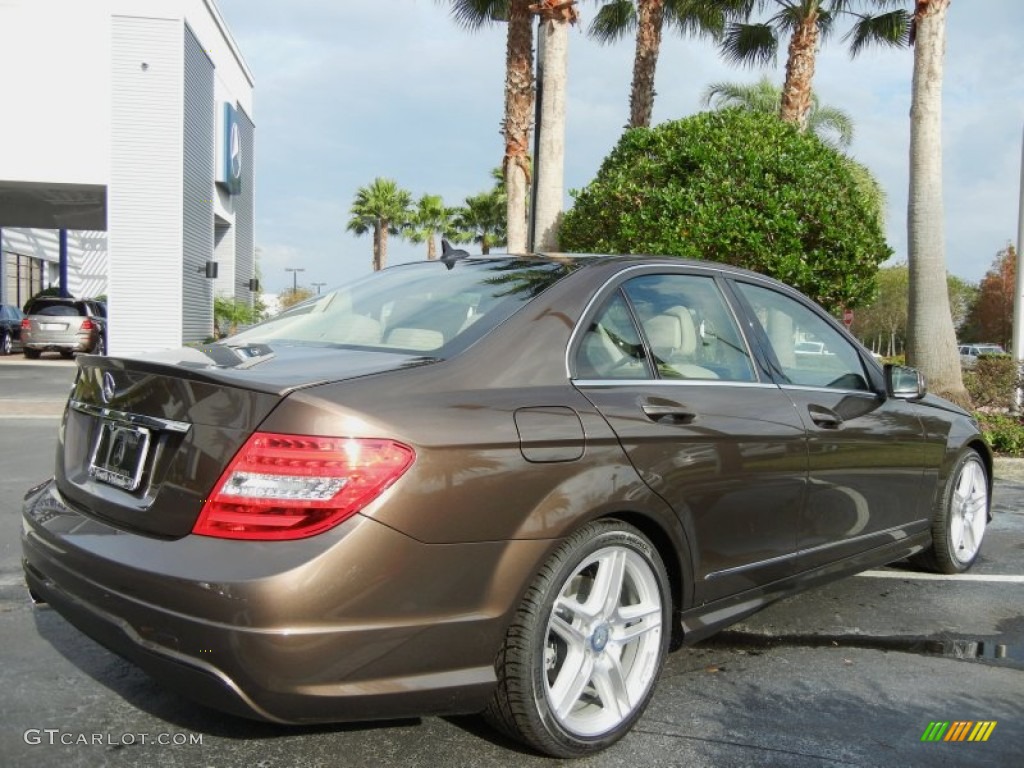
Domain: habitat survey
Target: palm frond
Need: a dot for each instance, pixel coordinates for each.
(830, 124)
(614, 20)
(704, 18)
(749, 44)
(892, 29)
(762, 96)
(472, 15)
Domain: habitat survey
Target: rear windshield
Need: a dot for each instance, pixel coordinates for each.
(55, 310)
(428, 308)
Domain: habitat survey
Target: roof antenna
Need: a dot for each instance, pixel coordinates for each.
(450, 255)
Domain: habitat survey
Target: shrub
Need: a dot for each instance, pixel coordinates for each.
(993, 381)
(1004, 433)
(738, 187)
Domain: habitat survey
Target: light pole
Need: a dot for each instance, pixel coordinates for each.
(318, 287)
(295, 277)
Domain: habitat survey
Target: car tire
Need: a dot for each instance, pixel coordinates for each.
(67, 354)
(5, 344)
(32, 354)
(960, 519)
(585, 647)
(100, 347)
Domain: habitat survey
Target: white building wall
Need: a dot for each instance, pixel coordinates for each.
(54, 70)
(145, 195)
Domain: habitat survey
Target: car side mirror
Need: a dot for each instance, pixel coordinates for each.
(904, 382)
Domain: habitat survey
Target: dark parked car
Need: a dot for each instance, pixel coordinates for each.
(10, 328)
(64, 325)
(492, 484)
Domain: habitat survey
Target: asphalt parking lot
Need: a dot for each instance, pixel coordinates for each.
(850, 674)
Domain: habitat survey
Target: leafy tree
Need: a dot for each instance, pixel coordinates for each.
(472, 15)
(830, 124)
(430, 219)
(737, 187)
(647, 18)
(807, 23)
(931, 339)
(882, 324)
(383, 208)
(991, 316)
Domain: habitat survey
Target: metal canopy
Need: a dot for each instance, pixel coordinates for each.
(53, 206)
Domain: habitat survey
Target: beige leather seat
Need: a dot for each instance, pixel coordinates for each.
(674, 341)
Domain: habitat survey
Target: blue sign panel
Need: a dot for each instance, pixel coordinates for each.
(232, 151)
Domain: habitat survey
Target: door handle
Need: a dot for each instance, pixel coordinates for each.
(824, 417)
(675, 414)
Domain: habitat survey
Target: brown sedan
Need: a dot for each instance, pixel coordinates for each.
(490, 484)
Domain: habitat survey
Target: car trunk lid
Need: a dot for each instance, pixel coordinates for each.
(144, 441)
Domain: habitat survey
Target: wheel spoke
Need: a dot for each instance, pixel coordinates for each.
(571, 681)
(566, 630)
(634, 621)
(607, 590)
(611, 685)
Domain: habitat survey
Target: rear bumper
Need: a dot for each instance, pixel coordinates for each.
(359, 623)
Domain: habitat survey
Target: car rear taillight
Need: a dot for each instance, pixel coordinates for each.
(87, 325)
(293, 486)
(26, 325)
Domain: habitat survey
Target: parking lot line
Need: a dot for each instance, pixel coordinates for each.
(993, 578)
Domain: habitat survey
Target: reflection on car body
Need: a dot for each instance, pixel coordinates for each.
(504, 484)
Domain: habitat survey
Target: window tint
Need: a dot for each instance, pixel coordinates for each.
(58, 310)
(611, 347)
(811, 352)
(689, 328)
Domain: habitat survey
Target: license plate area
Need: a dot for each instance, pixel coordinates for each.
(53, 326)
(119, 456)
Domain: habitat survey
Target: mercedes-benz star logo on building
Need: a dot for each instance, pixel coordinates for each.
(108, 388)
(236, 152)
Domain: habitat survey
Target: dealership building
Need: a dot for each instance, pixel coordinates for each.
(126, 162)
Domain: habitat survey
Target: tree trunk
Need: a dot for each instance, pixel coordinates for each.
(431, 247)
(551, 146)
(518, 115)
(931, 339)
(796, 91)
(651, 16)
(380, 246)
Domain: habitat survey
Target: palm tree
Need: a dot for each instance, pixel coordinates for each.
(556, 17)
(830, 124)
(648, 17)
(482, 219)
(931, 338)
(807, 22)
(431, 218)
(472, 15)
(383, 207)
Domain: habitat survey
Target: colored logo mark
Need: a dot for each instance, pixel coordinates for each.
(958, 730)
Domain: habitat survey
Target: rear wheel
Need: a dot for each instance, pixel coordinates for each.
(580, 660)
(67, 354)
(32, 354)
(960, 519)
(5, 343)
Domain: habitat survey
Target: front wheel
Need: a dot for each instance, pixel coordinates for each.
(581, 657)
(961, 518)
(32, 354)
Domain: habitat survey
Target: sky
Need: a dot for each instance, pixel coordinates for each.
(348, 91)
